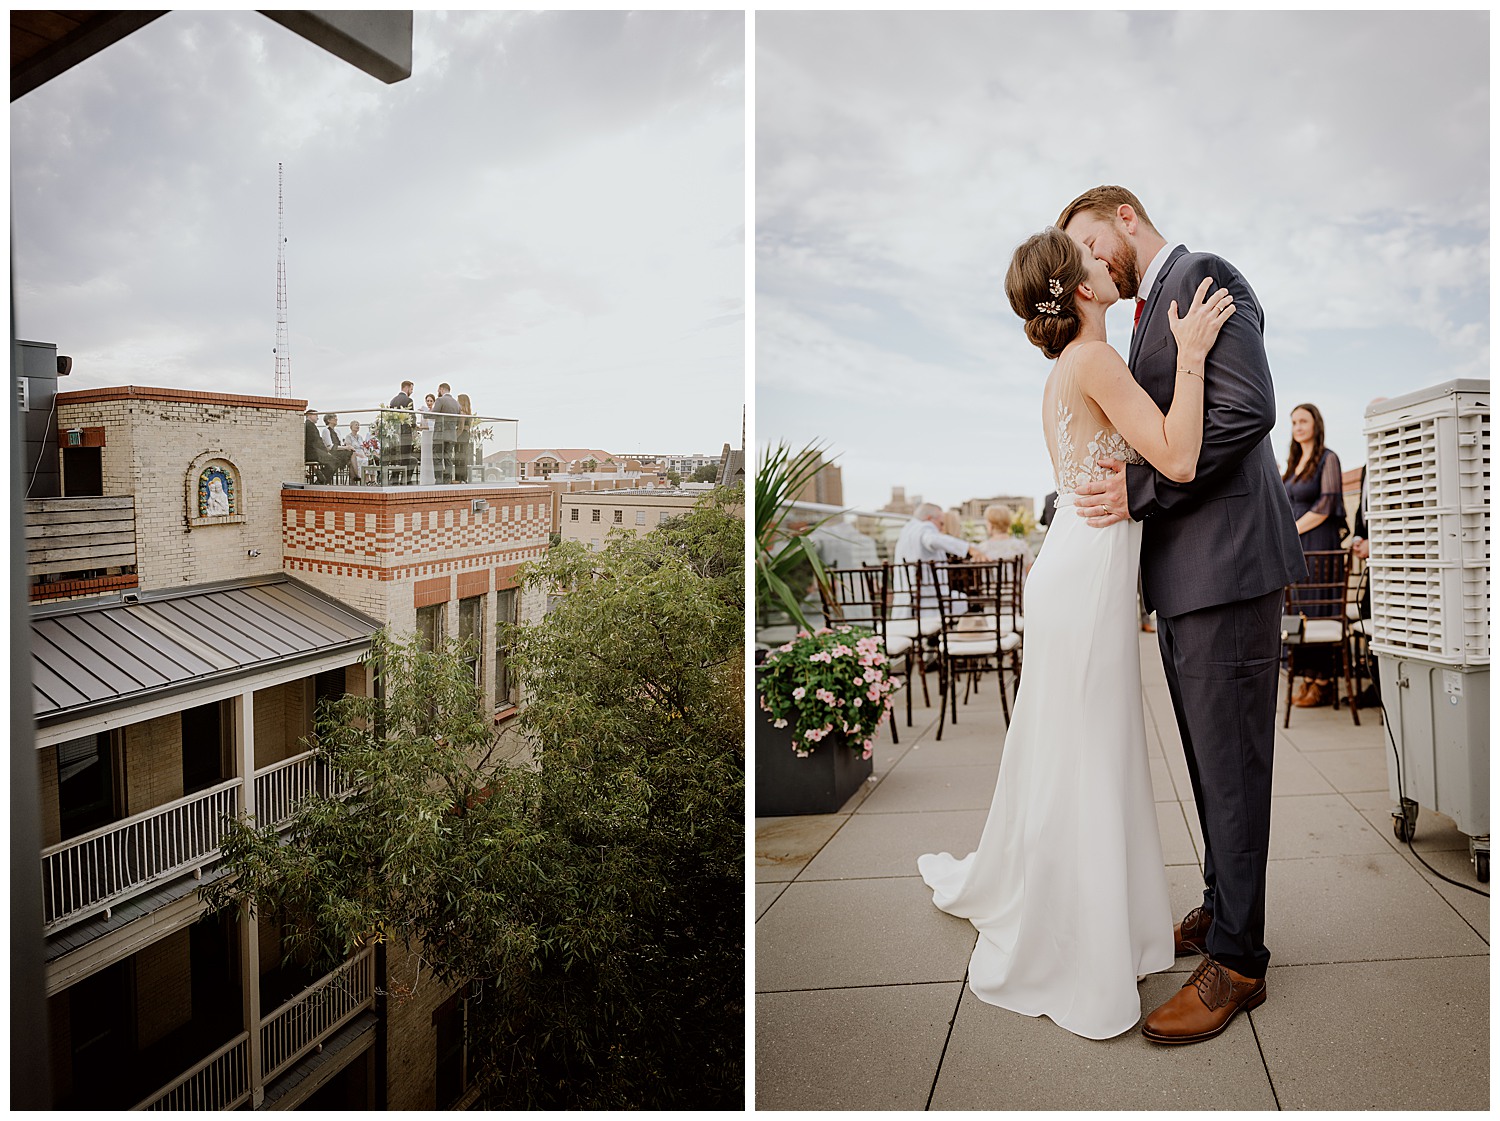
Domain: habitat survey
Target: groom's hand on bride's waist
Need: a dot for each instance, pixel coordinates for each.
(1105, 501)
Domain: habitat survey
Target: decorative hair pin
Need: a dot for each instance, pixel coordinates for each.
(1049, 307)
(1055, 286)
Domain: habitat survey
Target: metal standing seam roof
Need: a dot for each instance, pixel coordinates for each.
(109, 655)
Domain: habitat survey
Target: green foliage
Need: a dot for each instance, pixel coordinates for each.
(786, 561)
(708, 473)
(674, 477)
(596, 896)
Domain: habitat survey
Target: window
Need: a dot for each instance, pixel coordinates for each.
(471, 626)
(505, 618)
(85, 784)
(595, 516)
(619, 517)
(640, 517)
(573, 514)
(662, 517)
(430, 625)
(203, 746)
(452, 1023)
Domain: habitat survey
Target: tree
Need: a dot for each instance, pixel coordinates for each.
(674, 477)
(589, 464)
(708, 473)
(595, 897)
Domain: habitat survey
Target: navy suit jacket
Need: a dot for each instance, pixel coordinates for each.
(1228, 535)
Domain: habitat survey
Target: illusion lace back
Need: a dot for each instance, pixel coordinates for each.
(1078, 435)
(1067, 888)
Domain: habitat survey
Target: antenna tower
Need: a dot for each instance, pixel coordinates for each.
(283, 349)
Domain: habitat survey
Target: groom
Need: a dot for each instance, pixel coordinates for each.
(1215, 556)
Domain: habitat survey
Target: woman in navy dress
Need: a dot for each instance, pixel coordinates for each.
(1314, 481)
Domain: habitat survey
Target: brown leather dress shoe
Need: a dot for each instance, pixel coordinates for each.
(1204, 1006)
(1319, 693)
(1189, 934)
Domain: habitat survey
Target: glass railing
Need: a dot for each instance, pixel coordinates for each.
(399, 448)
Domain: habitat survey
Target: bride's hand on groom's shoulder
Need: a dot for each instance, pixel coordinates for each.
(1103, 502)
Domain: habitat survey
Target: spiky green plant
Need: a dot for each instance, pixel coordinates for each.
(781, 551)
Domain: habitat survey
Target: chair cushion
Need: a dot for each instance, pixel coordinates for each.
(896, 645)
(1323, 630)
(911, 628)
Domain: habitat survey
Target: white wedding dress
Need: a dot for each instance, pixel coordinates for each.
(1067, 887)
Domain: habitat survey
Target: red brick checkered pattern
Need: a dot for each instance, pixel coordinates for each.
(400, 535)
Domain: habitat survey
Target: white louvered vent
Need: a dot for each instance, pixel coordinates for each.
(1429, 524)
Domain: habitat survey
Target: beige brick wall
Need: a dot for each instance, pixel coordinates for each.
(411, 1049)
(150, 446)
(280, 722)
(164, 987)
(46, 760)
(153, 763)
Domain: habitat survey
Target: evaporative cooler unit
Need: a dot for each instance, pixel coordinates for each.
(1429, 525)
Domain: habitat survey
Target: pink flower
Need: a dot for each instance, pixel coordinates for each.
(858, 701)
(798, 693)
(859, 681)
(779, 724)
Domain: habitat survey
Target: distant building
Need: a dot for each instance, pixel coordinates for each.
(826, 487)
(589, 518)
(542, 463)
(973, 509)
(684, 465)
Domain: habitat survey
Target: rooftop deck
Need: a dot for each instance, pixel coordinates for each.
(1378, 990)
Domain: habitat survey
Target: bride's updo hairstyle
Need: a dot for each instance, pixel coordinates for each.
(1044, 275)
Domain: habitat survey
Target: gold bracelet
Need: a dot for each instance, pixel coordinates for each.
(1185, 370)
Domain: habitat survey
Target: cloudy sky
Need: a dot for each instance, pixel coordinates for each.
(548, 214)
(1340, 160)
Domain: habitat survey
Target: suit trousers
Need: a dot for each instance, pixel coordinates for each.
(1222, 667)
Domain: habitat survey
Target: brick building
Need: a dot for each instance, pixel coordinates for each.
(192, 600)
(590, 517)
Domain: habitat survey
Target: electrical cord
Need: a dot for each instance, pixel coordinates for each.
(37, 467)
(1400, 787)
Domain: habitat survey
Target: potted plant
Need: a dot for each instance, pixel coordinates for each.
(822, 698)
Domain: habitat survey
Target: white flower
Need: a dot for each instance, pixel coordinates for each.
(1055, 286)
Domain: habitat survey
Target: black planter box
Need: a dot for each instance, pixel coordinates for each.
(820, 784)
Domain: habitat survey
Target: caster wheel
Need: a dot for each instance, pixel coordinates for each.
(1482, 866)
(1404, 820)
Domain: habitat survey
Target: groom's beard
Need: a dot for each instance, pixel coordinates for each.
(1126, 271)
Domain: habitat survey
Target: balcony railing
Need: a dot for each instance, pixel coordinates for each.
(281, 787)
(86, 874)
(221, 1081)
(396, 448)
(312, 1016)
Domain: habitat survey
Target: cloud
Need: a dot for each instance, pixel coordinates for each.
(553, 200)
(1339, 159)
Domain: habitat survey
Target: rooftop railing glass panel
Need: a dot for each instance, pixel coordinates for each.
(401, 447)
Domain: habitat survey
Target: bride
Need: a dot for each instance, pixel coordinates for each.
(1067, 887)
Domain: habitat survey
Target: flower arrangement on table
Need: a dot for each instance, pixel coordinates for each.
(832, 680)
(1022, 524)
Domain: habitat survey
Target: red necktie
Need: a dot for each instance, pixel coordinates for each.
(1139, 304)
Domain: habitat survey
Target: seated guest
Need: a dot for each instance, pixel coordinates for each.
(365, 449)
(1002, 544)
(922, 539)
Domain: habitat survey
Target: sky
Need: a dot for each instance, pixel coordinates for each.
(549, 214)
(1340, 160)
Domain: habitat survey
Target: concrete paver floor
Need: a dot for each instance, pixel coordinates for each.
(1379, 982)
